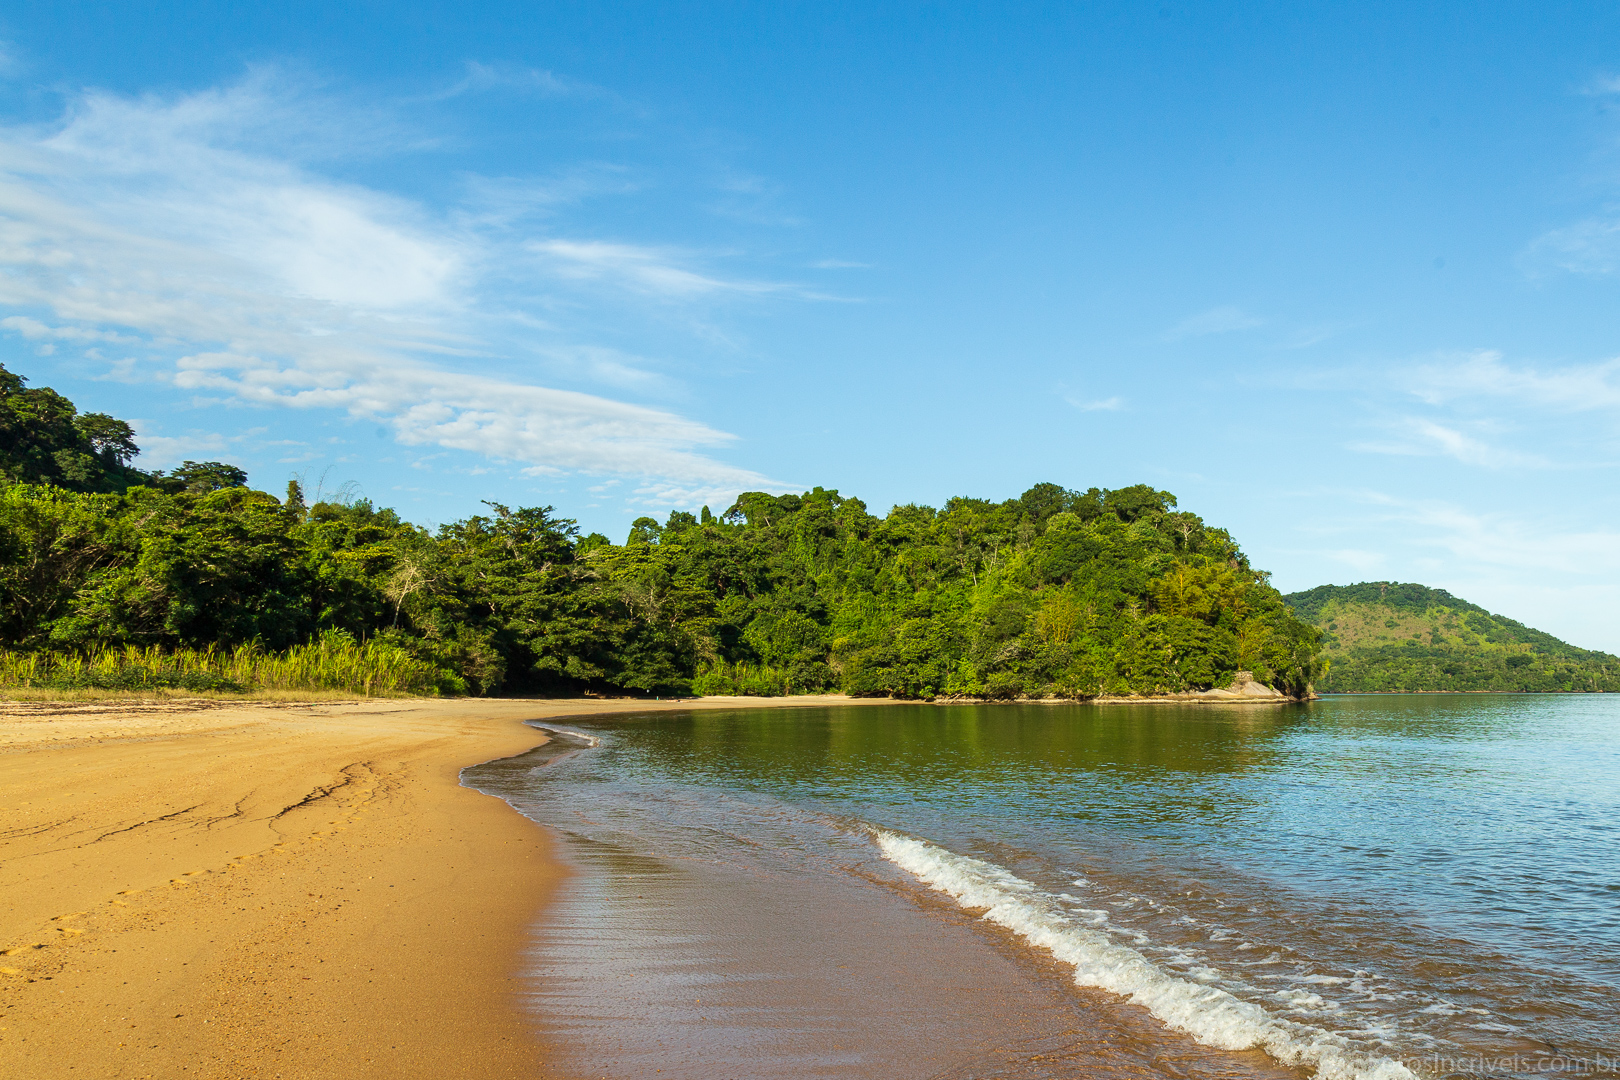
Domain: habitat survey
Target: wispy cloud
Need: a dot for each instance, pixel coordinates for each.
(609, 366)
(1591, 246)
(1420, 437)
(34, 330)
(189, 225)
(1502, 540)
(750, 199)
(644, 269)
(481, 77)
(1306, 336)
(1579, 387)
(1603, 85)
(1109, 404)
(557, 429)
(1217, 320)
(162, 451)
(501, 201)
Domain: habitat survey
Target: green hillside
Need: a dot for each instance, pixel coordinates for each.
(1389, 636)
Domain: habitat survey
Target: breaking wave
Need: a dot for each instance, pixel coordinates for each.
(1209, 1014)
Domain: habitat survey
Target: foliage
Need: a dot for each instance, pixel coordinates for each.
(743, 679)
(332, 662)
(45, 440)
(1056, 592)
(1387, 636)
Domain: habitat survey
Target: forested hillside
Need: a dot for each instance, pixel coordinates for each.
(1387, 636)
(1056, 592)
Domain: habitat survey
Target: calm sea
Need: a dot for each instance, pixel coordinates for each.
(1364, 886)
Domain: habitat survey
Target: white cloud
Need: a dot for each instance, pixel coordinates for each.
(163, 451)
(121, 370)
(1465, 448)
(1419, 437)
(718, 497)
(1109, 404)
(609, 366)
(1500, 540)
(643, 269)
(155, 220)
(1307, 336)
(1217, 320)
(553, 429)
(1586, 247)
(34, 330)
(166, 172)
(481, 77)
(1483, 375)
(1532, 559)
(502, 200)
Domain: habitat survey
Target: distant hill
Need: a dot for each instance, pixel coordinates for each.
(1389, 636)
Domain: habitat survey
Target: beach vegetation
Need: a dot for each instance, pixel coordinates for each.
(333, 661)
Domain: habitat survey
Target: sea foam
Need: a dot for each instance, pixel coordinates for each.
(1207, 1013)
(584, 737)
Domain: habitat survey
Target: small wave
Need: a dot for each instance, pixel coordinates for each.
(1210, 1015)
(587, 739)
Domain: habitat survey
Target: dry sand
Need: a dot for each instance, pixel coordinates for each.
(252, 890)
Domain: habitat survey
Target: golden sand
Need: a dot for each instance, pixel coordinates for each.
(269, 890)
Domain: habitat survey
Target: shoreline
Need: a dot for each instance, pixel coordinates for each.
(223, 889)
(807, 943)
(1155, 699)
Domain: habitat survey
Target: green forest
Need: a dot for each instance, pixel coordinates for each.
(1387, 636)
(106, 570)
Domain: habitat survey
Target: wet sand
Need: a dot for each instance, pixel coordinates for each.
(710, 932)
(259, 890)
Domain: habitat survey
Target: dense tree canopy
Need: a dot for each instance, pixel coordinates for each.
(45, 440)
(1056, 592)
(1388, 636)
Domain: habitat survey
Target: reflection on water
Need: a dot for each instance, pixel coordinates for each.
(1416, 878)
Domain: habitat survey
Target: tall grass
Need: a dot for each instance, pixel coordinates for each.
(331, 662)
(744, 679)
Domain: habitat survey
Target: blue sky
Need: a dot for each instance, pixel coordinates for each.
(1342, 278)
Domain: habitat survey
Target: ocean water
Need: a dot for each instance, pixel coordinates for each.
(1359, 887)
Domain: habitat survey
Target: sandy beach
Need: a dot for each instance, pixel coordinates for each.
(218, 889)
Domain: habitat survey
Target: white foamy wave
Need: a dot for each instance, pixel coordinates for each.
(1207, 1013)
(587, 739)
